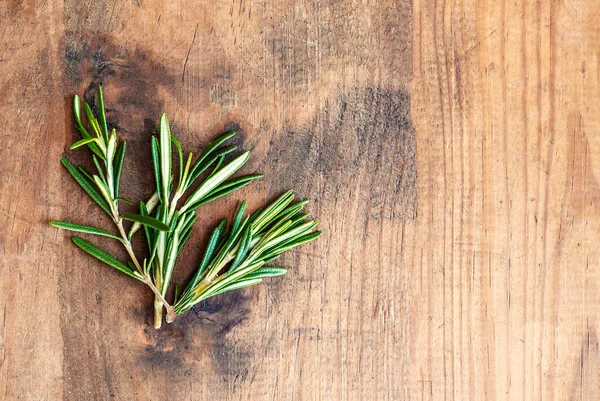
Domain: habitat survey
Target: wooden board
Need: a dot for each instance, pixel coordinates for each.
(451, 151)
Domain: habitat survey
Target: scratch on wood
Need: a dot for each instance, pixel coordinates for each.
(189, 51)
(111, 15)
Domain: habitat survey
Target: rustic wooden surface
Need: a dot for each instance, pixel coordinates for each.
(451, 151)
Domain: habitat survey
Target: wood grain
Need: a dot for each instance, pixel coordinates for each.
(449, 149)
(505, 105)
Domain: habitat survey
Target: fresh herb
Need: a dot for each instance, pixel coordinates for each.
(234, 258)
(239, 257)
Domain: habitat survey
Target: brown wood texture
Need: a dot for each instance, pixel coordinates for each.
(451, 151)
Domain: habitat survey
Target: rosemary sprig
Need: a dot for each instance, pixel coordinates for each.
(103, 188)
(238, 257)
(169, 228)
(234, 258)
(165, 246)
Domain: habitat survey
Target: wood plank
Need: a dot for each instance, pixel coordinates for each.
(450, 151)
(505, 105)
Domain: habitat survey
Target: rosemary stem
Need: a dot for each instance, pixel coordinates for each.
(158, 308)
(147, 280)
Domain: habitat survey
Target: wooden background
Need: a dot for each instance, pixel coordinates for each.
(450, 149)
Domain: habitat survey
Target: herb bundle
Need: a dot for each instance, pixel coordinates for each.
(234, 258)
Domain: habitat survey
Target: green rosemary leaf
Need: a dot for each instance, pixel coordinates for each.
(85, 173)
(238, 216)
(92, 120)
(217, 166)
(184, 238)
(186, 172)
(212, 146)
(111, 149)
(155, 237)
(176, 296)
(103, 125)
(99, 168)
(243, 249)
(267, 215)
(82, 142)
(81, 128)
(146, 266)
(101, 185)
(291, 234)
(229, 242)
(129, 202)
(200, 168)
(186, 231)
(174, 221)
(276, 230)
(86, 185)
(152, 202)
(235, 183)
(119, 157)
(291, 210)
(297, 241)
(266, 271)
(149, 233)
(156, 164)
(298, 219)
(210, 249)
(172, 251)
(216, 179)
(220, 192)
(190, 219)
(65, 225)
(77, 112)
(180, 153)
(237, 285)
(105, 257)
(165, 156)
(237, 276)
(147, 221)
(253, 217)
(150, 205)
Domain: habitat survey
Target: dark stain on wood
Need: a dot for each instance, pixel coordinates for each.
(166, 347)
(175, 347)
(219, 316)
(133, 80)
(362, 140)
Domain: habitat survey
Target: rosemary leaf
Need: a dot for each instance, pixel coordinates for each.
(216, 179)
(266, 271)
(103, 126)
(84, 141)
(180, 154)
(210, 249)
(84, 133)
(156, 164)
(86, 185)
(200, 168)
(236, 285)
(165, 155)
(211, 147)
(146, 221)
(65, 225)
(105, 257)
(93, 121)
